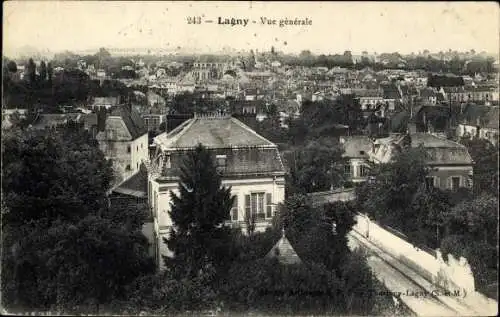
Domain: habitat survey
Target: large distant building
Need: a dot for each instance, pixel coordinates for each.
(248, 163)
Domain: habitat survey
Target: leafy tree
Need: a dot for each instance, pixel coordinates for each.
(389, 198)
(71, 267)
(61, 174)
(12, 66)
(61, 241)
(485, 156)
(318, 234)
(50, 72)
(323, 117)
(429, 208)
(31, 71)
(43, 71)
(316, 167)
(162, 294)
(198, 236)
(482, 257)
(475, 218)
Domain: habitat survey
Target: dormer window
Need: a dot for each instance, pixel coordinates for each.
(221, 163)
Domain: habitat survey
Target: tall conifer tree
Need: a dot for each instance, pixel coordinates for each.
(198, 238)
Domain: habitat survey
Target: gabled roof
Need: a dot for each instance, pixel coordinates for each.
(284, 252)
(212, 132)
(132, 120)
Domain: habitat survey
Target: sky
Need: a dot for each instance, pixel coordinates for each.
(336, 26)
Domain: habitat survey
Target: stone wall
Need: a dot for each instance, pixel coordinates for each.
(452, 274)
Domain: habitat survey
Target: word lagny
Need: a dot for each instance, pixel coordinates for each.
(264, 21)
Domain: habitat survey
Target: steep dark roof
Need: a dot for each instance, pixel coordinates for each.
(137, 185)
(132, 120)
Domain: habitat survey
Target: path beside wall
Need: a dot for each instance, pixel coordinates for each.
(452, 275)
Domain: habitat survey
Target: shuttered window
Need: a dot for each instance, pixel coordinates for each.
(234, 210)
(269, 207)
(247, 206)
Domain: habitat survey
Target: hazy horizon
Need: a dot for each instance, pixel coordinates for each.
(336, 27)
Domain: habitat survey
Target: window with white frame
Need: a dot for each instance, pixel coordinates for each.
(347, 170)
(259, 205)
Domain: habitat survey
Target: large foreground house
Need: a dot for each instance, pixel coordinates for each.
(249, 164)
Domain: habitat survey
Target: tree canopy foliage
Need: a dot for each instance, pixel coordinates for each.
(485, 156)
(64, 248)
(317, 166)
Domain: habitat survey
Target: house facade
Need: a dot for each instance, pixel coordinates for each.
(249, 164)
(356, 150)
(451, 165)
(479, 121)
(123, 138)
(104, 103)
